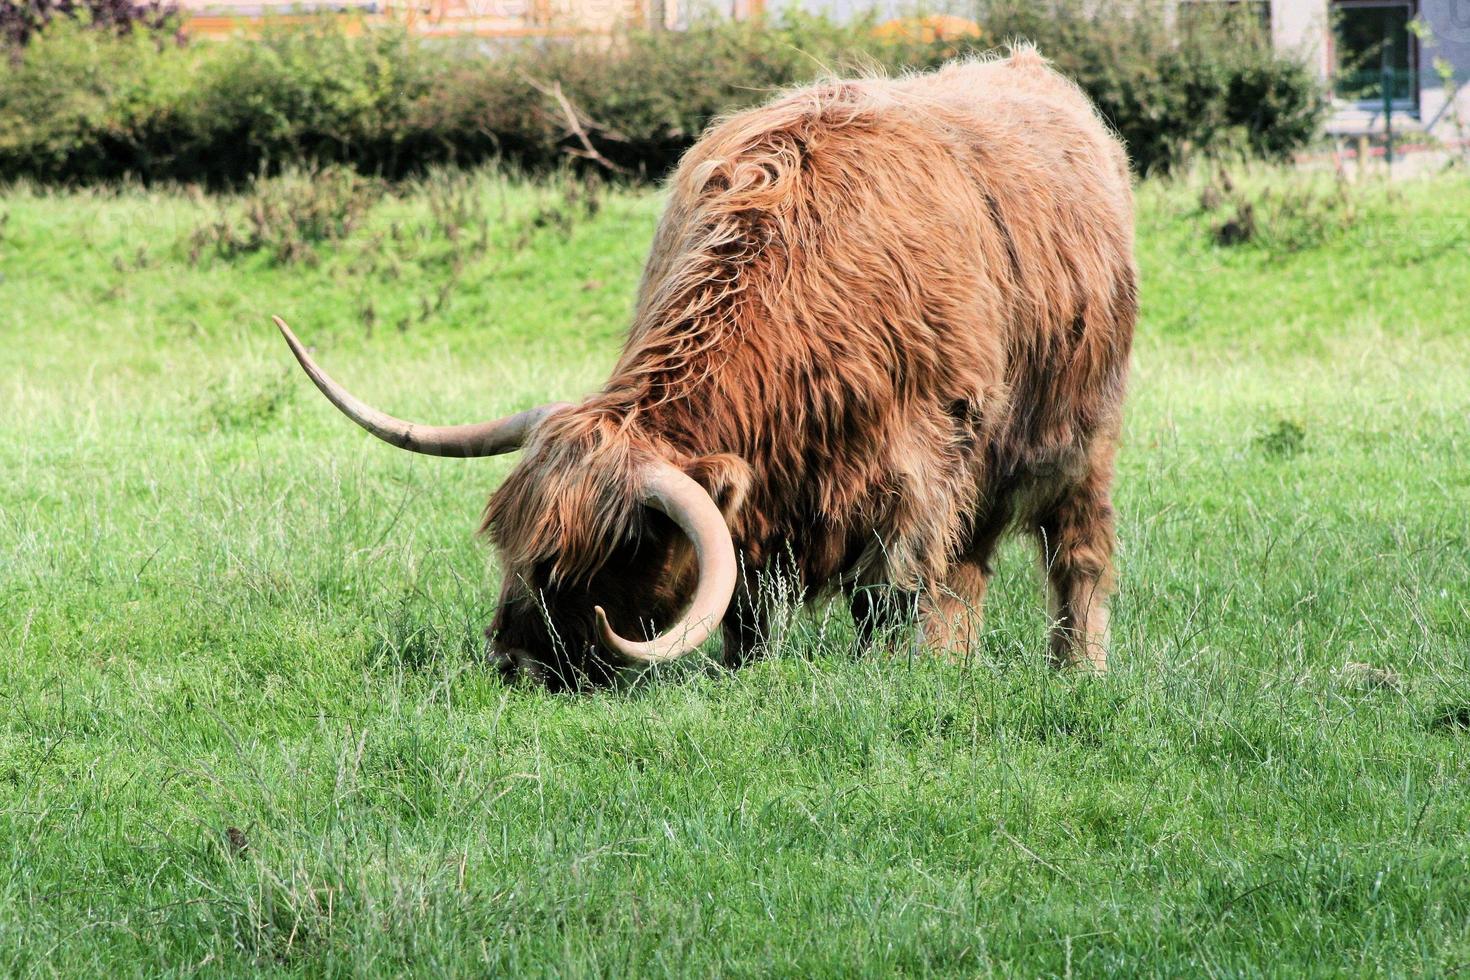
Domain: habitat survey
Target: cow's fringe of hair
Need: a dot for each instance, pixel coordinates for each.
(572, 499)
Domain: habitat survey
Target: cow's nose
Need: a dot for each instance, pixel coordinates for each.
(498, 658)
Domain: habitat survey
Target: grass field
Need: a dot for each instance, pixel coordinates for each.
(244, 723)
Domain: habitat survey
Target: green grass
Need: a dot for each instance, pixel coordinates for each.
(222, 606)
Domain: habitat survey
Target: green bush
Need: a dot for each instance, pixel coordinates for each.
(287, 215)
(1204, 79)
(83, 105)
(643, 100)
(74, 100)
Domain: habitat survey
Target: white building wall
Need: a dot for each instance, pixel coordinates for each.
(1301, 27)
(1448, 42)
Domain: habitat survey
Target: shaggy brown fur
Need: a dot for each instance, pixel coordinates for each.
(882, 321)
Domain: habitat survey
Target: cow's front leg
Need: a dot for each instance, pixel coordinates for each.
(760, 611)
(951, 614)
(882, 615)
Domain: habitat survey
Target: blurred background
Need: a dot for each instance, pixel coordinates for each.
(217, 91)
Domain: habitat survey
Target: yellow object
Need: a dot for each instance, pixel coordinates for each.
(927, 30)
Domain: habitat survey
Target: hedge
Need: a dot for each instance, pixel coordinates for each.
(79, 105)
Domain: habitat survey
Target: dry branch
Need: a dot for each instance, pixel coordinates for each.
(577, 124)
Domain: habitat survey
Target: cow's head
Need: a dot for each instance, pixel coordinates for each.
(600, 536)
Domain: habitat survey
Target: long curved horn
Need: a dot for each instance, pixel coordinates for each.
(668, 489)
(461, 441)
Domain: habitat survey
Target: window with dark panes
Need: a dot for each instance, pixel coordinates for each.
(1372, 44)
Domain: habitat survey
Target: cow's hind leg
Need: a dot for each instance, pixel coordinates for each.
(1076, 541)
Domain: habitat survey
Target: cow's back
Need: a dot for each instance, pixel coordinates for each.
(866, 286)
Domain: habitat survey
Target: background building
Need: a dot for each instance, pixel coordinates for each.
(1421, 48)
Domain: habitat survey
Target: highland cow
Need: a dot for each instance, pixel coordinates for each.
(882, 322)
